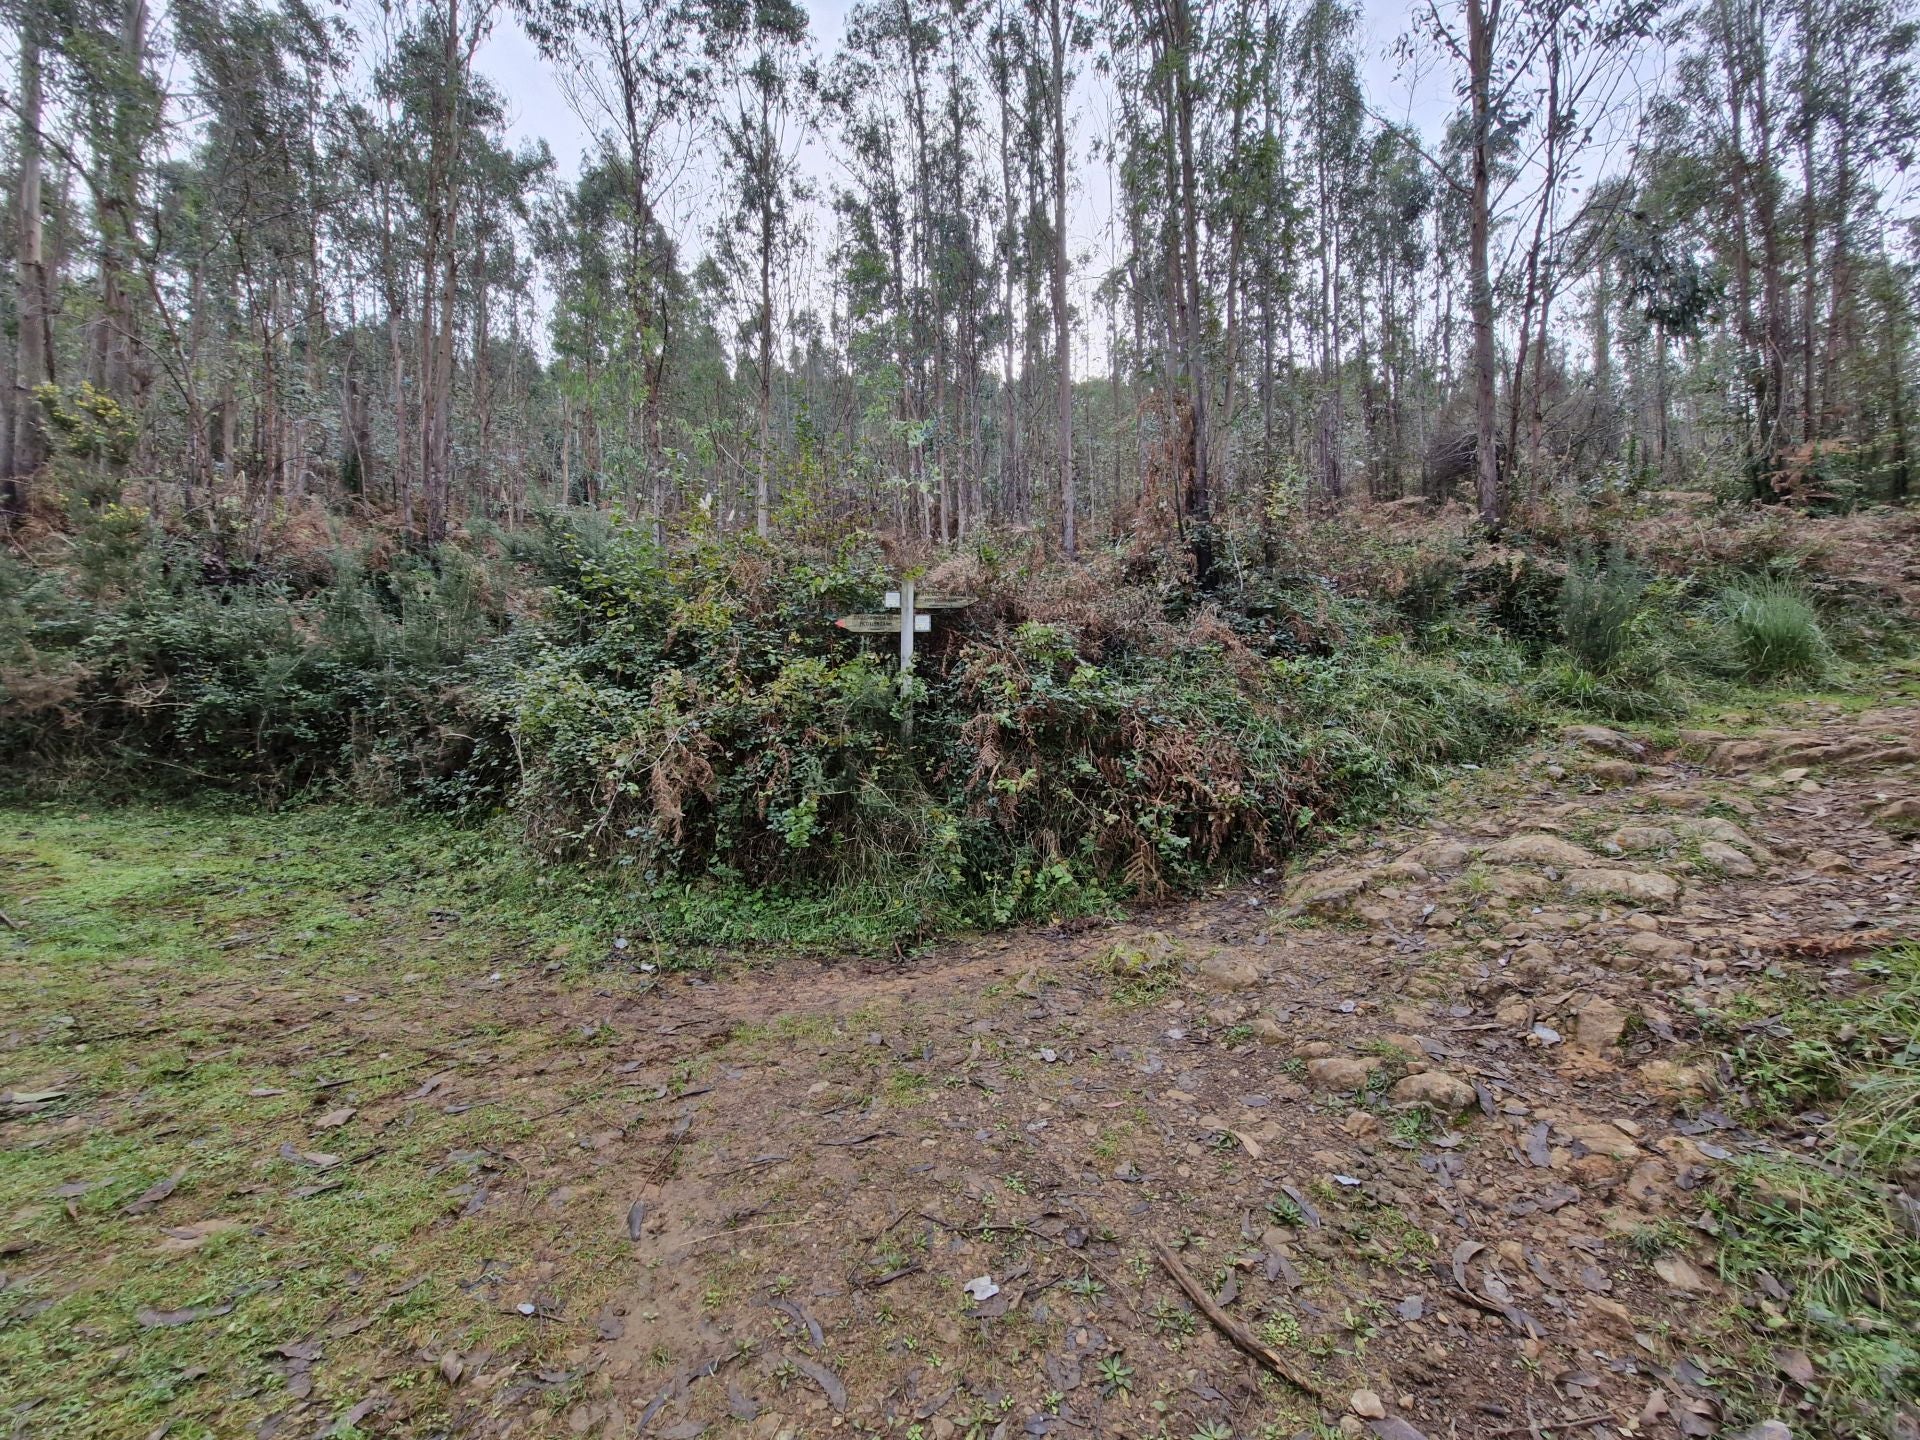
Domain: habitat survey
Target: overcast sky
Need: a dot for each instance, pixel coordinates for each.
(539, 110)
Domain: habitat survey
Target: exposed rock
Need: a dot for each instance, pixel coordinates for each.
(1712, 827)
(1647, 1185)
(1636, 838)
(1603, 741)
(1537, 850)
(1599, 1025)
(1435, 1089)
(1655, 946)
(1726, 859)
(1643, 887)
(1331, 892)
(1367, 1405)
(1902, 814)
(1439, 856)
(1515, 1010)
(1679, 1272)
(1829, 862)
(1341, 1072)
(1603, 1139)
(1736, 755)
(1612, 1316)
(1670, 1078)
(1503, 884)
(1613, 772)
(1224, 970)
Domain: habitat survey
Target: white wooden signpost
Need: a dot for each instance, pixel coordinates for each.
(910, 616)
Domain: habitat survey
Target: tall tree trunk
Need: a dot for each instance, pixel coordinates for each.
(1482, 27)
(1062, 339)
(1199, 507)
(33, 362)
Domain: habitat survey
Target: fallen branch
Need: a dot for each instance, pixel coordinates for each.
(1232, 1328)
(1534, 1427)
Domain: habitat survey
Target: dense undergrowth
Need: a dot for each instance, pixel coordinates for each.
(690, 722)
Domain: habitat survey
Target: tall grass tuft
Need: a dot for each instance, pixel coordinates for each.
(1775, 629)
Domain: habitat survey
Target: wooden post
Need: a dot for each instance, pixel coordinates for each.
(906, 659)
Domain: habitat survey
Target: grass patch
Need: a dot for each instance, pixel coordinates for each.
(200, 988)
(1826, 1247)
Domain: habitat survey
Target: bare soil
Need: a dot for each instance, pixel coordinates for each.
(1408, 1117)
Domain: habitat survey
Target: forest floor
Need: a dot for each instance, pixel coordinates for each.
(303, 1139)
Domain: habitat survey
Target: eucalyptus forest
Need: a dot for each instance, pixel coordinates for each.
(955, 719)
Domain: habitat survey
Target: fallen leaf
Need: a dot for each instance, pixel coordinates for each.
(317, 1159)
(159, 1319)
(1795, 1365)
(828, 1382)
(157, 1192)
(1679, 1272)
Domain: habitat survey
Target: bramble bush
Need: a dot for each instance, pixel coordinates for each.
(689, 717)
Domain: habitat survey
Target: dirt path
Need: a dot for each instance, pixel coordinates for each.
(1431, 1122)
(1409, 1121)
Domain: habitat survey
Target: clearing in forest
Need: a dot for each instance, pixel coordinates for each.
(1502, 1123)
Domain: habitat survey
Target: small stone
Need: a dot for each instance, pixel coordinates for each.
(1603, 741)
(1368, 1405)
(1341, 1072)
(1435, 1089)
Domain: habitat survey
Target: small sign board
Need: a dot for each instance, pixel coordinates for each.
(930, 602)
(883, 624)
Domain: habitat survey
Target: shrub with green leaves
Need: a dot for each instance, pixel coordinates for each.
(1599, 602)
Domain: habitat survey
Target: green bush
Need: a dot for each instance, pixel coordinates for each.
(1599, 603)
(691, 719)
